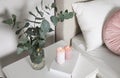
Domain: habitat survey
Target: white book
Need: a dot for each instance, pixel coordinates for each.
(67, 68)
(93, 74)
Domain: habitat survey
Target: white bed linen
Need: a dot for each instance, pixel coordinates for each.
(108, 62)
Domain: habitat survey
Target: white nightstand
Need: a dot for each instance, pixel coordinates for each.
(22, 68)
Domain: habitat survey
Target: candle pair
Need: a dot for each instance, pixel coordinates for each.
(63, 54)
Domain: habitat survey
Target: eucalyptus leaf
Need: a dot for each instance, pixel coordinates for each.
(26, 24)
(66, 11)
(20, 50)
(30, 31)
(51, 30)
(45, 26)
(42, 43)
(8, 21)
(23, 41)
(54, 6)
(37, 30)
(61, 17)
(71, 14)
(17, 24)
(42, 34)
(18, 31)
(34, 42)
(66, 15)
(20, 36)
(54, 20)
(14, 20)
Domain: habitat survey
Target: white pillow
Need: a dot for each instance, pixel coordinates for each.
(91, 16)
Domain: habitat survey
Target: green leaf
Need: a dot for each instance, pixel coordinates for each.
(8, 21)
(27, 24)
(54, 20)
(20, 36)
(18, 31)
(32, 14)
(42, 43)
(14, 20)
(30, 50)
(61, 17)
(30, 31)
(37, 30)
(54, 6)
(71, 14)
(40, 12)
(20, 50)
(51, 30)
(66, 11)
(61, 12)
(45, 26)
(42, 34)
(25, 48)
(68, 15)
(34, 42)
(22, 42)
(55, 9)
(17, 24)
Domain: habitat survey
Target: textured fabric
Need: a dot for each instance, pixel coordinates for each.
(91, 16)
(101, 54)
(111, 33)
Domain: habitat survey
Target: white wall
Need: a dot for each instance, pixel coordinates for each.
(20, 8)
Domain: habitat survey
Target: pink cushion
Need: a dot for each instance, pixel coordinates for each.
(111, 33)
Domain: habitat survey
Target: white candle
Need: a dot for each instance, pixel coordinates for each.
(68, 51)
(60, 55)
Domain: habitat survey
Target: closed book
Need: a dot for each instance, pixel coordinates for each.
(68, 67)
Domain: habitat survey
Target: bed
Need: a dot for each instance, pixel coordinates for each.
(69, 31)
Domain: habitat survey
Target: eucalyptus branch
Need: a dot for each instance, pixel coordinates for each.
(29, 31)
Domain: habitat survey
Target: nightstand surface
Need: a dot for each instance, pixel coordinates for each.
(22, 68)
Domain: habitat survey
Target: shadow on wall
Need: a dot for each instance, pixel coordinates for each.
(20, 10)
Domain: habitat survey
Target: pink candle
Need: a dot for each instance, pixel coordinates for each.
(68, 51)
(60, 55)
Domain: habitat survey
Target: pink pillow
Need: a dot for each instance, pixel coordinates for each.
(111, 33)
